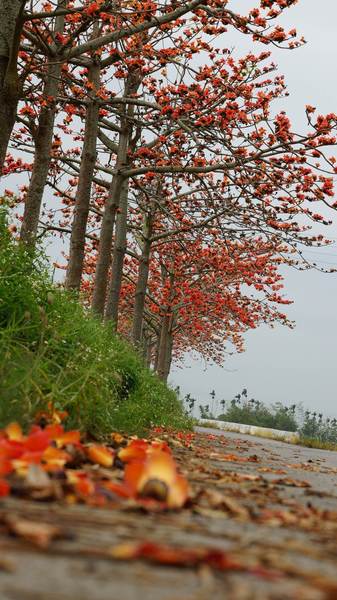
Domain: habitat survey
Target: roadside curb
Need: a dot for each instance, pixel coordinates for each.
(291, 437)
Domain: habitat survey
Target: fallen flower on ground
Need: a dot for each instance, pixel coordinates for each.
(100, 455)
(51, 461)
(157, 477)
(178, 556)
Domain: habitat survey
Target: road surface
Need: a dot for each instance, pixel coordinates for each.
(271, 506)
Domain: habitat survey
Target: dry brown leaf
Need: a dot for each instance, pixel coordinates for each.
(38, 485)
(291, 482)
(272, 470)
(238, 477)
(221, 501)
(40, 534)
(37, 478)
(7, 565)
(210, 513)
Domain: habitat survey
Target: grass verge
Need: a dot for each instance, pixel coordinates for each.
(320, 445)
(51, 349)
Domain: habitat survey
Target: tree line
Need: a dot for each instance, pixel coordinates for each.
(163, 162)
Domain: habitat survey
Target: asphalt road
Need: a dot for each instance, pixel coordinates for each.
(270, 505)
(323, 462)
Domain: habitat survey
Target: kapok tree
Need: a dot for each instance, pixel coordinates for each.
(63, 35)
(201, 295)
(258, 154)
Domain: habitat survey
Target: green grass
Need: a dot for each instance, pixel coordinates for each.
(51, 349)
(315, 443)
(252, 412)
(248, 412)
(260, 416)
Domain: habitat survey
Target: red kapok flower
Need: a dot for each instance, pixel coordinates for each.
(100, 455)
(157, 477)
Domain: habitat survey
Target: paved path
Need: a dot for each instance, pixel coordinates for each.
(321, 478)
(271, 506)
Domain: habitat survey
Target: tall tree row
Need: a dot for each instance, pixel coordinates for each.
(162, 160)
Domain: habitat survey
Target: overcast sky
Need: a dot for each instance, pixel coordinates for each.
(297, 365)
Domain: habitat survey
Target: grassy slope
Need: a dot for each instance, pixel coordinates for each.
(51, 349)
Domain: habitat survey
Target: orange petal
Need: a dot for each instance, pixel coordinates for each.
(117, 438)
(81, 482)
(38, 440)
(5, 467)
(85, 487)
(178, 492)
(14, 432)
(157, 477)
(73, 476)
(101, 455)
(157, 465)
(62, 438)
(68, 437)
(120, 489)
(11, 449)
(125, 551)
(135, 450)
(55, 456)
(134, 474)
(160, 445)
(168, 555)
(54, 431)
(160, 465)
(4, 488)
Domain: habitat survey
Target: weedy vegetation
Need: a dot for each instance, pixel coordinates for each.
(53, 350)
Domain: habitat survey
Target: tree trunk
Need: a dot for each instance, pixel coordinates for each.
(11, 24)
(148, 357)
(144, 345)
(168, 354)
(166, 333)
(111, 312)
(43, 139)
(143, 275)
(108, 222)
(43, 143)
(83, 193)
(113, 202)
(163, 351)
(156, 354)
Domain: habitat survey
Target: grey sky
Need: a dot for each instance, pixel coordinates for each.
(279, 364)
